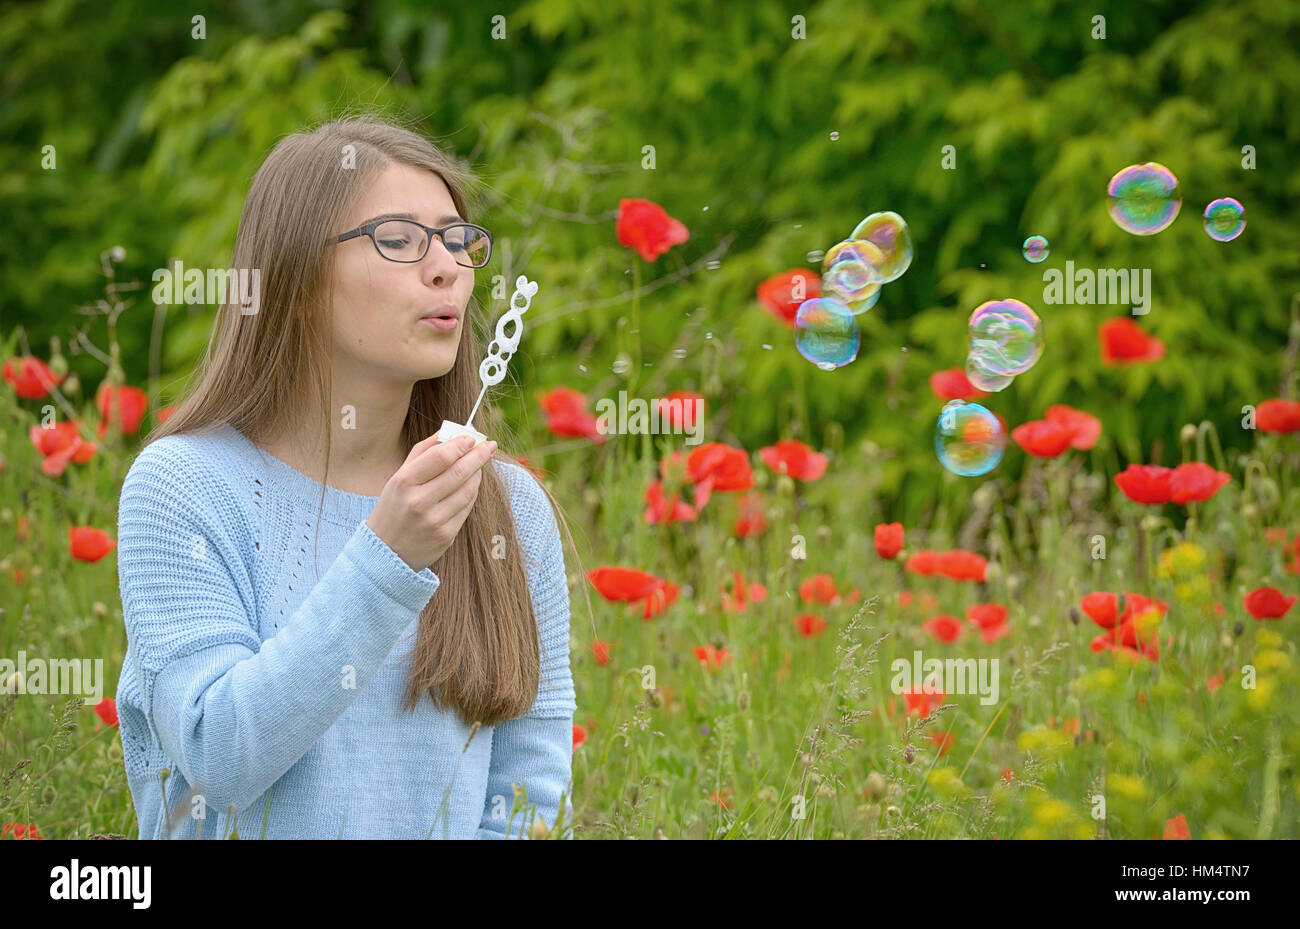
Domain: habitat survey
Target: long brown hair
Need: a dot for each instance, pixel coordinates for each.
(477, 647)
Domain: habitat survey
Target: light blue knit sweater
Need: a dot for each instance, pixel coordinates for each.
(249, 672)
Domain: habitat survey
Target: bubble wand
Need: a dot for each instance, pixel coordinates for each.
(492, 370)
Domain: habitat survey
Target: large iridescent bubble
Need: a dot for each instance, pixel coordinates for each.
(852, 274)
(1224, 219)
(968, 439)
(889, 233)
(1144, 199)
(1006, 337)
(826, 333)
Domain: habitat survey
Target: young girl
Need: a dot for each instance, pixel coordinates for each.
(338, 626)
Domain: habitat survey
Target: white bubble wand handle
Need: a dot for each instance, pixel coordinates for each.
(492, 370)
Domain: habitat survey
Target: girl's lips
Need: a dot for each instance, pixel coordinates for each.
(442, 324)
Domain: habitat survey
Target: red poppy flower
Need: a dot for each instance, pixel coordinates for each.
(710, 657)
(60, 443)
(792, 457)
(1268, 603)
(1043, 439)
(953, 384)
(600, 651)
(1214, 683)
(809, 625)
(679, 408)
(1177, 828)
(716, 466)
(942, 740)
(579, 735)
(31, 377)
(1148, 484)
(165, 412)
(1102, 608)
(21, 831)
(921, 700)
(661, 510)
(536, 471)
(1277, 415)
(123, 405)
(820, 588)
(889, 539)
(1085, 426)
(89, 544)
(782, 294)
(737, 600)
(630, 584)
(106, 710)
(750, 521)
(1195, 482)
(643, 225)
(1124, 342)
(986, 615)
(943, 627)
(566, 415)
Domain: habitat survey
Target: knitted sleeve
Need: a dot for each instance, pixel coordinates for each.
(536, 750)
(231, 711)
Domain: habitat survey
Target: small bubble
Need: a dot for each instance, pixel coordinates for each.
(904, 348)
(621, 364)
(582, 368)
(798, 225)
(816, 255)
(835, 136)
(705, 209)
(708, 335)
(679, 353)
(766, 346)
(713, 265)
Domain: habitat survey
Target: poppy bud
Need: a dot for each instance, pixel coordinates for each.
(1188, 433)
(72, 385)
(909, 755)
(876, 785)
(1249, 511)
(655, 697)
(742, 700)
(117, 253)
(992, 573)
(785, 485)
(1034, 622)
(1150, 523)
(1238, 628)
(99, 610)
(1225, 641)
(6, 516)
(58, 364)
(1074, 615)
(539, 829)
(37, 570)
(892, 811)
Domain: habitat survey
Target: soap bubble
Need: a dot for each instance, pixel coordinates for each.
(1224, 219)
(889, 233)
(1006, 336)
(1144, 199)
(1035, 248)
(968, 439)
(983, 378)
(826, 333)
(851, 274)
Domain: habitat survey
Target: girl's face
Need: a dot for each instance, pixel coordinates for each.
(379, 304)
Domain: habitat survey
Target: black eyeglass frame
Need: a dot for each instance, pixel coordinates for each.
(368, 230)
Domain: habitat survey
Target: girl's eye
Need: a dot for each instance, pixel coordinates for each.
(394, 243)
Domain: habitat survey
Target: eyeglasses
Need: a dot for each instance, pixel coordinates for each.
(406, 240)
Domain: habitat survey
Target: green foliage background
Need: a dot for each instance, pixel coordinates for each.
(158, 135)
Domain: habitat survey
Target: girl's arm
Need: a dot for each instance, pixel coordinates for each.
(233, 712)
(536, 750)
